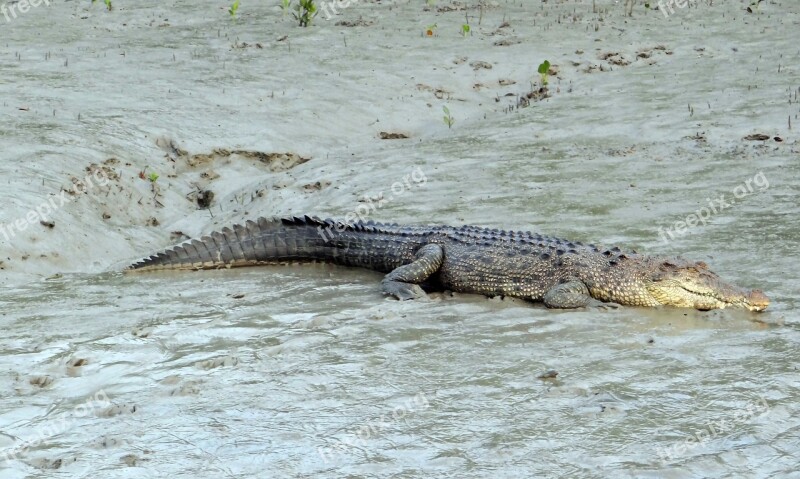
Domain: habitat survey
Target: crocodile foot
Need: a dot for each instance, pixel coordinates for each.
(403, 291)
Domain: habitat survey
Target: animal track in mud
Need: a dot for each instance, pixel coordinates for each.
(41, 381)
(217, 362)
(618, 59)
(117, 410)
(317, 185)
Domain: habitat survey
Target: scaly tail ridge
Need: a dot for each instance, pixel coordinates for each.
(263, 241)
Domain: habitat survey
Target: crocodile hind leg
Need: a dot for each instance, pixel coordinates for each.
(403, 282)
(573, 294)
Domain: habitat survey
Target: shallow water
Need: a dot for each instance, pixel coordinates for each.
(308, 371)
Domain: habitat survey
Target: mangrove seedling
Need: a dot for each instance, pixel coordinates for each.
(285, 4)
(152, 177)
(465, 29)
(543, 69)
(107, 2)
(448, 118)
(234, 8)
(305, 10)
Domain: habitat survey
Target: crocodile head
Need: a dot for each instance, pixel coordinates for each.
(688, 284)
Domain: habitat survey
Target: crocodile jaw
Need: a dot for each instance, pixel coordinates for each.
(726, 296)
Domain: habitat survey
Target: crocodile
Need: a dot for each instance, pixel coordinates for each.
(467, 259)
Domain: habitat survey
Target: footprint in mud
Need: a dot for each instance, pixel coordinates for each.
(439, 93)
(74, 365)
(318, 323)
(507, 42)
(132, 460)
(317, 185)
(51, 464)
(118, 410)
(143, 332)
(614, 58)
(478, 65)
(106, 442)
(189, 388)
(41, 381)
(217, 362)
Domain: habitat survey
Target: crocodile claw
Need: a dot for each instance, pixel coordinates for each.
(404, 291)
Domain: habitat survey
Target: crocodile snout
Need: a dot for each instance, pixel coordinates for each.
(757, 300)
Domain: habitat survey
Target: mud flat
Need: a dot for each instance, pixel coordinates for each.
(123, 132)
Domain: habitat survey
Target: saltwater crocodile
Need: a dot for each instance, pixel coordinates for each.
(468, 259)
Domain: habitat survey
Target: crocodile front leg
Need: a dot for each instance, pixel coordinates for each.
(403, 282)
(573, 294)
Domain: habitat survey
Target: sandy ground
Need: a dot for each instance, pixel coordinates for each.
(645, 125)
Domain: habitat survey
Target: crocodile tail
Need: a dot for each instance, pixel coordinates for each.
(264, 241)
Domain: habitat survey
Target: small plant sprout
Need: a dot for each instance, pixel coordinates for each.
(305, 10)
(431, 29)
(448, 118)
(543, 69)
(465, 29)
(153, 177)
(234, 8)
(285, 4)
(107, 2)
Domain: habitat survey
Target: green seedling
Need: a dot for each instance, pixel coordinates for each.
(543, 69)
(465, 29)
(234, 8)
(285, 4)
(305, 10)
(448, 118)
(107, 2)
(153, 177)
